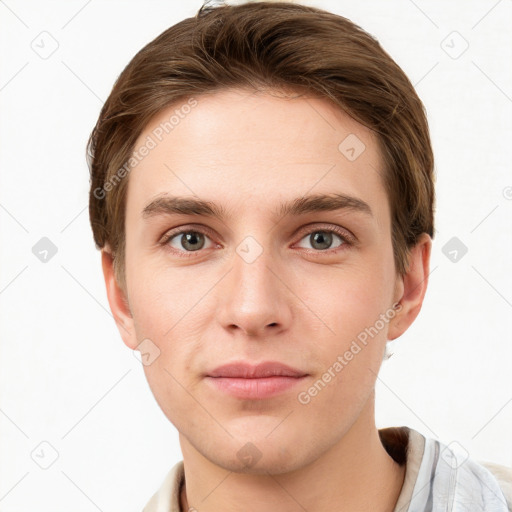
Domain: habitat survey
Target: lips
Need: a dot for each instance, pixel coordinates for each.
(254, 382)
(245, 370)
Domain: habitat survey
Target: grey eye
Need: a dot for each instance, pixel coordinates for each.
(188, 240)
(321, 240)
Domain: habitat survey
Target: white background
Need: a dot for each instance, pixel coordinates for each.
(66, 377)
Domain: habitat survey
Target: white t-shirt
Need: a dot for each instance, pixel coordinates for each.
(438, 478)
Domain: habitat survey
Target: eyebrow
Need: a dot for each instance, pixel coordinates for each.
(169, 205)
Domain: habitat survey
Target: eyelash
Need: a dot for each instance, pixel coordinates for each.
(348, 239)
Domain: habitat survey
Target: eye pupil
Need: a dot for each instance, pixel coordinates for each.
(322, 238)
(192, 241)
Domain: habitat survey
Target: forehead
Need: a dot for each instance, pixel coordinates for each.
(250, 148)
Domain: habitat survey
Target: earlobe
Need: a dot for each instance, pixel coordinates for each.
(414, 285)
(118, 301)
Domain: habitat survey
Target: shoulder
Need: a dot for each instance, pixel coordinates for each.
(503, 475)
(445, 475)
(166, 498)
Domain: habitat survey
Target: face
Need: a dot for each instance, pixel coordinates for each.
(290, 261)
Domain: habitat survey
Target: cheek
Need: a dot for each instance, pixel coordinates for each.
(351, 355)
(171, 376)
(168, 390)
(347, 299)
(352, 304)
(158, 299)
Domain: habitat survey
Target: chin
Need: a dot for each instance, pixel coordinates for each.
(273, 465)
(258, 454)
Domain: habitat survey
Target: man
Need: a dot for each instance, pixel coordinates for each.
(262, 191)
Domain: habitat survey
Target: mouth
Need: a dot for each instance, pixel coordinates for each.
(255, 382)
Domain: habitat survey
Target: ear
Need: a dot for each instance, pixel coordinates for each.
(118, 301)
(413, 286)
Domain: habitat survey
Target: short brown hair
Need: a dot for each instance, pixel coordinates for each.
(262, 45)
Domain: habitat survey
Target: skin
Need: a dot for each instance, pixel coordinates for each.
(295, 303)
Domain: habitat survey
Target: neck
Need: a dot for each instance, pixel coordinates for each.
(355, 474)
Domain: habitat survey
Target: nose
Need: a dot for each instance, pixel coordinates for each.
(253, 298)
